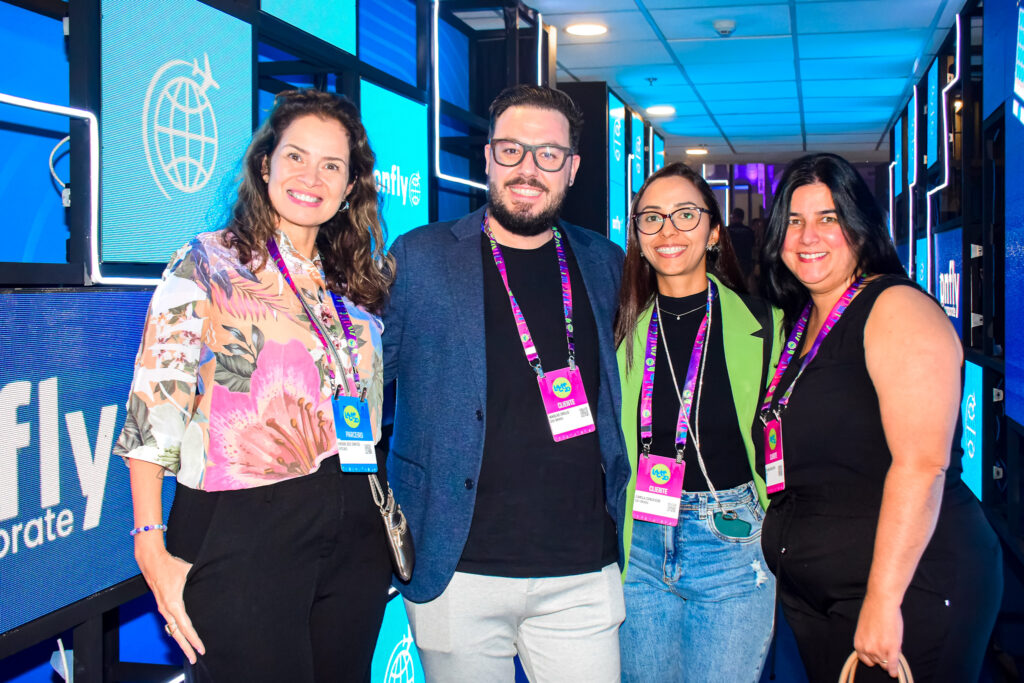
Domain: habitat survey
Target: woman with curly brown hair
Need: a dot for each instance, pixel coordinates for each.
(258, 385)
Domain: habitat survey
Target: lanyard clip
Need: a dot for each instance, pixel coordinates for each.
(572, 362)
(679, 455)
(646, 444)
(535, 364)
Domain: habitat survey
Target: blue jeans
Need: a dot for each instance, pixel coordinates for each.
(700, 604)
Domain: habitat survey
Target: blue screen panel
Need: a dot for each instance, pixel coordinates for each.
(453, 67)
(933, 113)
(903, 251)
(659, 152)
(387, 37)
(911, 159)
(66, 505)
(638, 170)
(921, 263)
(1014, 312)
(33, 212)
(1018, 67)
(949, 275)
(617, 208)
(395, 658)
(177, 116)
(971, 414)
(332, 21)
(898, 169)
(402, 164)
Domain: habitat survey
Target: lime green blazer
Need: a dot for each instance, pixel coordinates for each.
(744, 355)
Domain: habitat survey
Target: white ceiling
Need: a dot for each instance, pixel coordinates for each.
(795, 76)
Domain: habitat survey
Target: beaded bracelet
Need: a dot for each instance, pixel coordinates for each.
(148, 527)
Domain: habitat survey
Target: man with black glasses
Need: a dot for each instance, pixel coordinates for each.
(507, 455)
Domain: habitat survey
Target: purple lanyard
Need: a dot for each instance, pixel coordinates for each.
(517, 313)
(647, 387)
(794, 340)
(346, 322)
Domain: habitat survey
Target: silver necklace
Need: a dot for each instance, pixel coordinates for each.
(678, 316)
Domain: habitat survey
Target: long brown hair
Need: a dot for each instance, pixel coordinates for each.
(351, 243)
(639, 280)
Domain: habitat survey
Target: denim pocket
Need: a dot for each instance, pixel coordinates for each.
(743, 513)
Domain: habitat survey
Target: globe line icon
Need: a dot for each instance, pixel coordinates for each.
(179, 129)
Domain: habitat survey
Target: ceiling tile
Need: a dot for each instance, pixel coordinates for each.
(744, 52)
(553, 6)
(902, 43)
(738, 73)
(846, 103)
(740, 106)
(857, 67)
(599, 54)
(853, 87)
(878, 115)
(749, 91)
(757, 118)
(865, 15)
(698, 23)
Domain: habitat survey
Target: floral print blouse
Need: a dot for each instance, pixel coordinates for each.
(231, 387)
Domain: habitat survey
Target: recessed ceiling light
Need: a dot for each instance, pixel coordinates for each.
(586, 29)
(661, 110)
(697, 151)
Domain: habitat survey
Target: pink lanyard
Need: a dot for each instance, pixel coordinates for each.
(647, 387)
(346, 323)
(524, 332)
(794, 340)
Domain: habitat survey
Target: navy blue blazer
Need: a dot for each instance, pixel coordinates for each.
(434, 346)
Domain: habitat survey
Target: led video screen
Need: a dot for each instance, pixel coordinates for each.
(659, 152)
(972, 417)
(639, 165)
(33, 211)
(66, 508)
(176, 119)
(1014, 270)
(617, 207)
(332, 21)
(402, 162)
(921, 263)
(1018, 68)
(948, 269)
(898, 168)
(911, 160)
(932, 149)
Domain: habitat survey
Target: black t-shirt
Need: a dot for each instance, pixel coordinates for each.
(540, 504)
(725, 456)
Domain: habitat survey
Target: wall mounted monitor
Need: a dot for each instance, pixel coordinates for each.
(176, 116)
(617, 206)
(403, 165)
(911, 160)
(332, 21)
(66, 506)
(1014, 269)
(921, 263)
(1018, 67)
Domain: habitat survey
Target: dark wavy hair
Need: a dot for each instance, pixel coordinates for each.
(639, 280)
(524, 95)
(351, 243)
(860, 219)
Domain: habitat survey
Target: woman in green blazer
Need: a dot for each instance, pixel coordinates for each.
(693, 356)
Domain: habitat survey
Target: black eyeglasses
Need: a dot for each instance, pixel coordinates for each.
(683, 219)
(548, 158)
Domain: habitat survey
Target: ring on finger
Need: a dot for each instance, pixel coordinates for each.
(170, 627)
(883, 661)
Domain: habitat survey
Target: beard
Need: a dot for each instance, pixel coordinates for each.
(519, 221)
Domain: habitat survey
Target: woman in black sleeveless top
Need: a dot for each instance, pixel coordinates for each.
(876, 543)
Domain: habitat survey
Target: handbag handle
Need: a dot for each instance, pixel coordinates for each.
(849, 671)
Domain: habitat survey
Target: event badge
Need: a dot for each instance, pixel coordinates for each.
(659, 485)
(355, 434)
(774, 469)
(565, 402)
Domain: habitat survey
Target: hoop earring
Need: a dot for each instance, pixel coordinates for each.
(344, 207)
(713, 248)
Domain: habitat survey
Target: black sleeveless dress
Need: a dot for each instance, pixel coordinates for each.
(818, 535)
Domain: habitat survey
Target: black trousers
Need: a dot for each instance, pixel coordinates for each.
(949, 610)
(289, 581)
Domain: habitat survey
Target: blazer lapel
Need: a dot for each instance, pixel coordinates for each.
(743, 339)
(466, 288)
